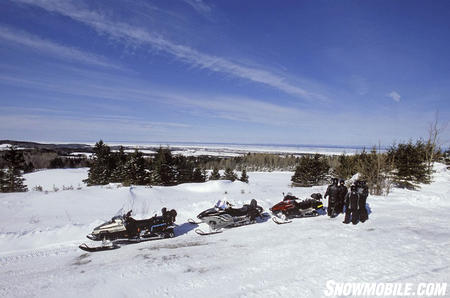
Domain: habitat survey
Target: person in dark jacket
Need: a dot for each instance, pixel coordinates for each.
(352, 202)
(342, 193)
(363, 192)
(333, 197)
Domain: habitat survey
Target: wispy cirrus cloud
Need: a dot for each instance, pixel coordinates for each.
(228, 107)
(48, 47)
(200, 6)
(129, 34)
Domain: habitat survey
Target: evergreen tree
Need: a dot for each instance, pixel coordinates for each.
(185, 169)
(28, 168)
(118, 174)
(346, 167)
(410, 164)
(102, 165)
(2, 181)
(12, 179)
(135, 170)
(56, 163)
(164, 172)
(199, 175)
(229, 175)
(244, 176)
(215, 175)
(310, 171)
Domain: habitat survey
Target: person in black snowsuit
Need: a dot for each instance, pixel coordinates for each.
(351, 203)
(363, 192)
(333, 194)
(342, 193)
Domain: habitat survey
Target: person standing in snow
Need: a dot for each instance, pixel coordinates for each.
(363, 192)
(352, 203)
(333, 194)
(342, 193)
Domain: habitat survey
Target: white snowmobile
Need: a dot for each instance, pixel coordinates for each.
(223, 215)
(124, 229)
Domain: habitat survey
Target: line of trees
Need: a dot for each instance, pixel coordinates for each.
(163, 169)
(404, 165)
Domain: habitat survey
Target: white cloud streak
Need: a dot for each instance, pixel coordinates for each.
(138, 36)
(48, 47)
(395, 96)
(200, 6)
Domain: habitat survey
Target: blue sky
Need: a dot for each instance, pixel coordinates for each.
(288, 72)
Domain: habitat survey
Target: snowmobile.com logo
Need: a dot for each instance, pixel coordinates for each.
(385, 289)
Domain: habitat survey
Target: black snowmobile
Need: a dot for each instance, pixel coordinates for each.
(223, 215)
(293, 207)
(124, 229)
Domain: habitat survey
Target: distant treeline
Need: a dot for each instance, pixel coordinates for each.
(47, 159)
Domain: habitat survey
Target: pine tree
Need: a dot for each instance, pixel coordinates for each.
(229, 175)
(164, 171)
(244, 176)
(12, 179)
(198, 175)
(346, 166)
(410, 164)
(118, 174)
(28, 168)
(215, 175)
(310, 171)
(135, 171)
(2, 181)
(102, 165)
(185, 169)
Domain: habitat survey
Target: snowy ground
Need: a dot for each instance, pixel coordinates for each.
(406, 240)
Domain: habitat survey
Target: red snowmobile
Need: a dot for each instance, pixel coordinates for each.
(293, 207)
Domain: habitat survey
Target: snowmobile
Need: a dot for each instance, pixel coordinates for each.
(124, 229)
(223, 215)
(293, 207)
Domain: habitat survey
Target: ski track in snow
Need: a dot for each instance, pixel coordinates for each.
(405, 240)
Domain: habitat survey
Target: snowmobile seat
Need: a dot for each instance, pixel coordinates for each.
(238, 211)
(244, 210)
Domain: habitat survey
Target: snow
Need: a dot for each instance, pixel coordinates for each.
(7, 146)
(200, 152)
(58, 178)
(87, 154)
(405, 240)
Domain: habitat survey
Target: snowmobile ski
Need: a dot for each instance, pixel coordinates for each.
(280, 221)
(203, 233)
(193, 222)
(87, 248)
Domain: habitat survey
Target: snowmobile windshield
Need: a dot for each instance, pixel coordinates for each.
(117, 217)
(221, 204)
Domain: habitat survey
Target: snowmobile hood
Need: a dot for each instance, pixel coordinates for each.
(115, 224)
(281, 206)
(209, 212)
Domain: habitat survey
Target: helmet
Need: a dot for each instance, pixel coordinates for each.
(342, 181)
(334, 180)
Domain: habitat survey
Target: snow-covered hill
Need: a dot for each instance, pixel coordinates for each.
(405, 240)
